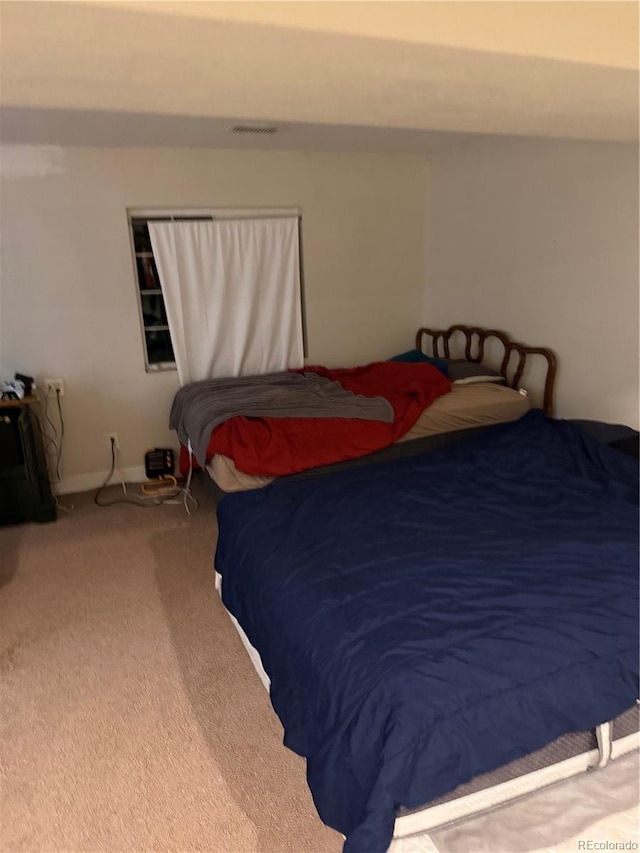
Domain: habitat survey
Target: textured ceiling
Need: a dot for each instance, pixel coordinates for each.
(414, 76)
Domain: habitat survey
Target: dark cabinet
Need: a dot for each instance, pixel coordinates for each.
(25, 490)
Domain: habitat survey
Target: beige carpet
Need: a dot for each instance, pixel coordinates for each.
(132, 718)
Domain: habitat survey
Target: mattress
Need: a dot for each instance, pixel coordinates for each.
(406, 661)
(465, 407)
(566, 757)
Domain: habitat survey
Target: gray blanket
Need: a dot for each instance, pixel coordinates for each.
(200, 406)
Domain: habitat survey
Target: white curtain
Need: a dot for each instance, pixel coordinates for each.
(232, 293)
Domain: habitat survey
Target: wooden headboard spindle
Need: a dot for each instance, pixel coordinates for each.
(476, 335)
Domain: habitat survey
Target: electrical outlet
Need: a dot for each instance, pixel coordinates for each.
(112, 437)
(54, 387)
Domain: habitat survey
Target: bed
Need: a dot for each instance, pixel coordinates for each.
(491, 395)
(445, 630)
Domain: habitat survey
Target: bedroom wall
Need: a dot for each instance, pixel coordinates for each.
(540, 238)
(68, 300)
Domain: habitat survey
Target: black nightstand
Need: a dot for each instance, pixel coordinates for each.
(25, 490)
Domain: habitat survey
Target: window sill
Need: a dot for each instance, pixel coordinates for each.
(161, 367)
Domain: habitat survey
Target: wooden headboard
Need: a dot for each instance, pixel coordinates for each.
(474, 350)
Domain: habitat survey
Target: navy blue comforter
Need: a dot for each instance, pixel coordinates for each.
(429, 619)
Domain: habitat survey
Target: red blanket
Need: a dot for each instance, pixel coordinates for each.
(279, 446)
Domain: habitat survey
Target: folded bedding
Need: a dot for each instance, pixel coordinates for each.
(278, 446)
(429, 619)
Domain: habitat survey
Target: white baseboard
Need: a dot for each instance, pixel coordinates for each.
(88, 482)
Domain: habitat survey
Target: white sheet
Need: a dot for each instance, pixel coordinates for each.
(232, 293)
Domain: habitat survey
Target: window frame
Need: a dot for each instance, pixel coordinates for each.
(177, 214)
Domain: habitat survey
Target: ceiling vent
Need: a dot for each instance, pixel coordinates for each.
(264, 129)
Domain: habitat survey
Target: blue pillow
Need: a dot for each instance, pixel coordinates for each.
(414, 355)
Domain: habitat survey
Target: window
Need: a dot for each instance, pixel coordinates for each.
(153, 316)
(158, 348)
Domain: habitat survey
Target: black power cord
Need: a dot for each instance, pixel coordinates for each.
(59, 459)
(54, 442)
